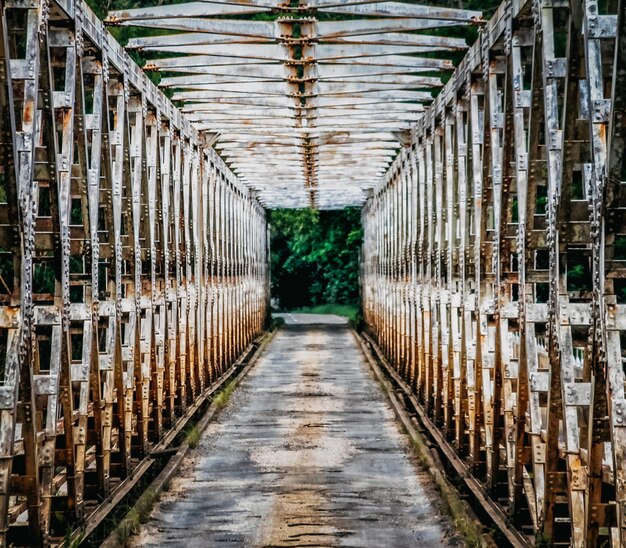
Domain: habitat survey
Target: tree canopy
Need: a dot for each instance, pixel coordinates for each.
(315, 256)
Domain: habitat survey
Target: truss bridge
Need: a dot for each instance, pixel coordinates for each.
(486, 153)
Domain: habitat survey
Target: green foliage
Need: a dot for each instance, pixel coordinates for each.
(223, 397)
(276, 323)
(3, 190)
(140, 513)
(144, 505)
(127, 527)
(193, 437)
(575, 277)
(315, 256)
(451, 502)
(73, 536)
(43, 278)
(6, 271)
(578, 271)
(542, 541)
(620, 248)
(541, 200)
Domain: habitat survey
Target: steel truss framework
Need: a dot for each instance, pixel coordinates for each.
(494, 266)
(309, 112)
(133, 267)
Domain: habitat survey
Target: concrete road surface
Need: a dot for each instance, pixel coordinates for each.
(307, 454)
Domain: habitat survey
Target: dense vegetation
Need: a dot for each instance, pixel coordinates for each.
(315, 256)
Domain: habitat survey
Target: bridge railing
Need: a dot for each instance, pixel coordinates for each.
(493, 266)
(133, 267)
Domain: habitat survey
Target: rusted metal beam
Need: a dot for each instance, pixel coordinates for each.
(307, 66)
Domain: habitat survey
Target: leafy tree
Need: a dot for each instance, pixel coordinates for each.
(315, 256)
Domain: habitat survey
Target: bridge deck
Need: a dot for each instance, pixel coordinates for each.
(306, 454)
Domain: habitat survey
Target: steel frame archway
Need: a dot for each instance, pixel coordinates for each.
(133, 263)
(493, 266)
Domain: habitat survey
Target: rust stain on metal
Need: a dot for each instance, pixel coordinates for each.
(493, 263)
(139, 272)
(487, 265)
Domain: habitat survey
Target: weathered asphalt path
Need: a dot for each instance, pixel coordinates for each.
(306, 454)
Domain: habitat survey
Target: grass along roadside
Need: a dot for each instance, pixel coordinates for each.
(140, 512)
(452, 504)
(192, 436)
(456, 508)
(223, 396)
(137, 515)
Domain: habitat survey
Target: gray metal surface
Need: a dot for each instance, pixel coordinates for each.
(493, 271)
(307, 454)
(494, 263)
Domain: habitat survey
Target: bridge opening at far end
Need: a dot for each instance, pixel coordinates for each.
(314, 261)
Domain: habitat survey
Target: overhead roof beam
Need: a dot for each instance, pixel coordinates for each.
(189, 9)
(307, 112)
(201, 60)
(374, 95)
(398, 9)
(384, 80)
